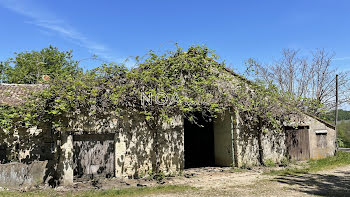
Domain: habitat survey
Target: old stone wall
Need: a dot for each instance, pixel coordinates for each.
(273, 143)
(135, 147)
(322, 136)
(247, 146)
(274, 147)
(35, 143)
(29, 147)
(136, 153)
(16, 174)
(223, 150)
(322, 140)
(28, 144)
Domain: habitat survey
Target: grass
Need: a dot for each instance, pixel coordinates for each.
(238, 170)
(342, 158)
(132, 191)
(29, 194)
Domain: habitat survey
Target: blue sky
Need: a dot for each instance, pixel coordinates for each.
(237, 30)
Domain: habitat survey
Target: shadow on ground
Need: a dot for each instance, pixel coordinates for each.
(336, 184)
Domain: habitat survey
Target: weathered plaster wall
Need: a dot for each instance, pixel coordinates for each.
(317, 151)
(26, 145)
(134, 143)
(321, 148)
(274, 147)
(247, 148)
(93, 155)
(247, 144)
(223, 150)
(65, 165)
(31, 145)
(135, 148)
(273, 143)
(172, 146)
(15, 174)
(35, 143)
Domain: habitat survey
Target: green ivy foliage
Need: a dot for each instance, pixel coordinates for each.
(193, 80)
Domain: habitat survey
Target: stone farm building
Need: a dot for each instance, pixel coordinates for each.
(122, 147)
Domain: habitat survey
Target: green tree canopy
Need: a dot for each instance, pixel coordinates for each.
(342, 115)
(29, 67)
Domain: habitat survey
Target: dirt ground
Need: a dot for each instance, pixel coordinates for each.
(227, 182)
(223, 182)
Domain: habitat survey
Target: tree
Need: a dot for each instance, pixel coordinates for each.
(29, 67)
(3, 69)
(342, 115)
(311, 80)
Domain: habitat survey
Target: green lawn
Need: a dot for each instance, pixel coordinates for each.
(133, 191)
(342, 158)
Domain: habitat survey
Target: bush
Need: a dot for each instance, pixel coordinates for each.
(270, 163)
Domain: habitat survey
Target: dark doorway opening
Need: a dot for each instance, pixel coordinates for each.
(199, 143)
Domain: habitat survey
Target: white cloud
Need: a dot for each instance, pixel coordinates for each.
(46, 20)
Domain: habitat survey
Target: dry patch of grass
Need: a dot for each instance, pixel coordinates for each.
(342, 158)
(133, 191)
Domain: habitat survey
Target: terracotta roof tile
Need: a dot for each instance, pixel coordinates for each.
(15, 94)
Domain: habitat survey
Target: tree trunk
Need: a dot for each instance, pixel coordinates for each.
(261, 150)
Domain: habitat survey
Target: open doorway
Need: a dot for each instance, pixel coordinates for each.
(199, 143)
(209, 143)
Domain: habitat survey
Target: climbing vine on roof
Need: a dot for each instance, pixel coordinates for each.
(179, 82)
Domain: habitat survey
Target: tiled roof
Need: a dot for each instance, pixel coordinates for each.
(15, 94)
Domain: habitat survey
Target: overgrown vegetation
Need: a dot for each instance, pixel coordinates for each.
(182, 81)
(270, 163)
(343, 126)
(341, 158)
(342, 115)
(344, 133)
